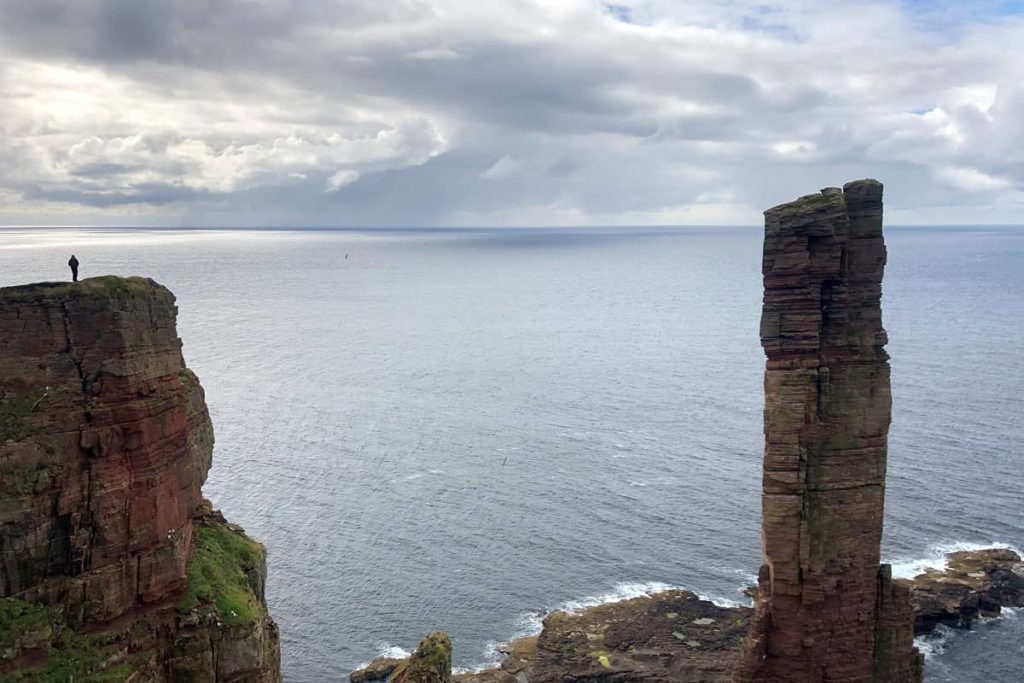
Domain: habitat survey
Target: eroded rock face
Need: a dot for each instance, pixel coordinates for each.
(105, 441)
(824, 602)
(101, 471)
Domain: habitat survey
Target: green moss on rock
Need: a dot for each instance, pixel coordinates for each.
(103, 286)
(431, 663)
(222, 574)
(59, 655)
(21, 622)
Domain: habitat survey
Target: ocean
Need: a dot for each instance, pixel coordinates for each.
(463, 429)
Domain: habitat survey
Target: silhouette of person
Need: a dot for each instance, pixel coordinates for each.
(73, 262)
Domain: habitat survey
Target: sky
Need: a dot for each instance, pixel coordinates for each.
(365, 113)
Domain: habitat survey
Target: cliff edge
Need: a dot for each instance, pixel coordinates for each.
(112, 565)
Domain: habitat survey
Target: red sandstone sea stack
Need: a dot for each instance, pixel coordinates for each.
(827, 610)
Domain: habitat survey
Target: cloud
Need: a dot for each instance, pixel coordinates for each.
(505, 167)
(971, 180)
(341, 179)
(421, 112)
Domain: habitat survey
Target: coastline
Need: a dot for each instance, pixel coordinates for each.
(943, 566)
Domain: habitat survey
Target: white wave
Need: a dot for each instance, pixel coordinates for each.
(532, 622)
(492, 659)
(622, 591)
(936, 558)
(393, 651)
(528, 624)
(386, 650)
(935, 643)
(719, 601)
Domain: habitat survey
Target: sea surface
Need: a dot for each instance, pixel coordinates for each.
(463, 429)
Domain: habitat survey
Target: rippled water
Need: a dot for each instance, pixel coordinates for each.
(464, 429)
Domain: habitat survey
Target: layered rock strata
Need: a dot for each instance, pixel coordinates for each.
(676, 636)
(105, 540)
(826, 610)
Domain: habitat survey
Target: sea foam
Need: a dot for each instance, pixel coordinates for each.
(936, 558)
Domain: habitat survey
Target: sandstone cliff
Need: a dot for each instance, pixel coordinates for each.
(112, 566)
(826, 609)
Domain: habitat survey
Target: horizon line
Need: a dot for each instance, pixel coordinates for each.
(398, 228)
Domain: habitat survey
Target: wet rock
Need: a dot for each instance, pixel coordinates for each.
(377, 670)
(975, 584)
(651, 638)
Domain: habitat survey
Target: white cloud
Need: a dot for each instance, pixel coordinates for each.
(661, 111)
(341, 179)
(505, 167)
(438, 54)
(971, 180)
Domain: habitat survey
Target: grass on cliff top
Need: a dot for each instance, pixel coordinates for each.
(103, 285)
(69, 656)
(218, 575)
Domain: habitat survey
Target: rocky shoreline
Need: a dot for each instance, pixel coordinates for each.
(114, 567)
(826, 607)
(676, 636)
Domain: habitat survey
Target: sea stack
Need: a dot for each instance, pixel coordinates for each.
(112, 565)
(826, 610)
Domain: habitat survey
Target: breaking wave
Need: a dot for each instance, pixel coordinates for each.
(936, 558)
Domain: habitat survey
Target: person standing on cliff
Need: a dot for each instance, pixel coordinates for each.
(73, 262)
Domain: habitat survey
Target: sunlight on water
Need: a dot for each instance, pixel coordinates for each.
(464, 430)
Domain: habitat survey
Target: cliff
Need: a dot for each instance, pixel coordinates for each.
(826, 608)
(112, 566)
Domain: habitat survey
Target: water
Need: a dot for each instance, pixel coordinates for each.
(463, 429)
